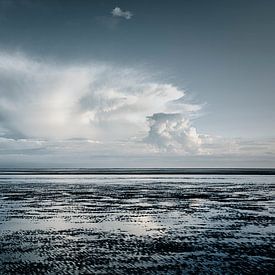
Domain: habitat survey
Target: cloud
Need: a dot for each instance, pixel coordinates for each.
(117, 12)
(100, 113)
(173, 132)
(43, 100)
(87, 153)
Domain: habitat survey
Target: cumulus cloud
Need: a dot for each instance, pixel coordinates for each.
(100, 111)
(118, 12)
(173, 132)
(43, 100)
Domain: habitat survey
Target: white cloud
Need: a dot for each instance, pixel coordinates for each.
(101, 111)
(90, 153)
(173, 132)
(43, 100)
(119, 13)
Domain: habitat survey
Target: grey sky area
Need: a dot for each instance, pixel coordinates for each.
(137, 83)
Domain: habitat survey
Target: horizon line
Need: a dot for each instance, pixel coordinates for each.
(137, 171)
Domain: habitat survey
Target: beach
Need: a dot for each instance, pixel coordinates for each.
(136, 224)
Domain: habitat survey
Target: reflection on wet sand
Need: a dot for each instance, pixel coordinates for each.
(136, 224)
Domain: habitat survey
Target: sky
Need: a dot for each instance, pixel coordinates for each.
(107, 83)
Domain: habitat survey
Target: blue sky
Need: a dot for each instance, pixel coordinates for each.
(164, 83)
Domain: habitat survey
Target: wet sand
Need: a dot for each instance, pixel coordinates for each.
(137, 224)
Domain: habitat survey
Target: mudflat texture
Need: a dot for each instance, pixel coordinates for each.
(137, 224)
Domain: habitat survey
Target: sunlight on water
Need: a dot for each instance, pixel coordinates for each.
(67, 224)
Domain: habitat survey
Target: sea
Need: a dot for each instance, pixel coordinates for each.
(137, 221)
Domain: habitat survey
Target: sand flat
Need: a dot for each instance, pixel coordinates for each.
(136, 224)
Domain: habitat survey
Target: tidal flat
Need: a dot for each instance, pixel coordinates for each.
(137, 224)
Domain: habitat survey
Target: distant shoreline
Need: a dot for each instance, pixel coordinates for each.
(140, 171)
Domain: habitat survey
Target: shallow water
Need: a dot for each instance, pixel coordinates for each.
(137, 224)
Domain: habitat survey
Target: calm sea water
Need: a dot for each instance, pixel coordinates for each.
(137, 224)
